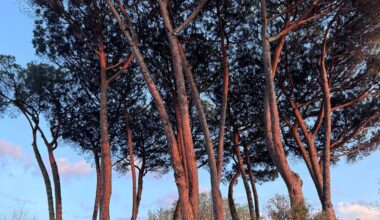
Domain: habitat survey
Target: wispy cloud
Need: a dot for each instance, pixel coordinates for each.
(167, 200)
(353, 211)
(69, 169)
(9, 150)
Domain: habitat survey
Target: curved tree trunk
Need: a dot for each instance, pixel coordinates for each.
(252, 180)
(98, 192)
(57, 184)
(133, 169)
(243, 174)
(231, 202)
(45, 175)
(272, 125)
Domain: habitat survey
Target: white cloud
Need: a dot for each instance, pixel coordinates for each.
(167, 200)
(353, 211)
(11, 151)
(77, 169)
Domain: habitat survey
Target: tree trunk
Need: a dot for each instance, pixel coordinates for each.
(98, 192)
(184, 109)
(253, 184)
(133, 169)
(105, 144)
(216, 195)
(272, 125)
(178, 168)
(57, 184)
(177, 211)
(231, 203)
(45, 176)
(243, 174)
(140, 186)
(223, 114)
(326, 205)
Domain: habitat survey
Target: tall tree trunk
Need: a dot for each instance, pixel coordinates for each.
(178, 168)
(57, 184)
(231, 203)
(272, 125)
(252, 180)
(98, 192)
(216, 195)
(326, 205)
(223, 114)
(184, 109)
(45, 175)
(105, 143)
(133, 169)
(243, 174)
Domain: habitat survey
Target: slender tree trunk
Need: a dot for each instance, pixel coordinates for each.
(140, 186)
(272, 125)
(243, 174)
(57, 184)
(231, 202)
(98, 192)
(105, 144)
(133, 169)
(223, 114)
(326, 205)
(216, 195)
(253, 184)
(178, 168)
(45, 176)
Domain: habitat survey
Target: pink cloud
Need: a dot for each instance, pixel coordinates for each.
(11, 151)
(68, 169)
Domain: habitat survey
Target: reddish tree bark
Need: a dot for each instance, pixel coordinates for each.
(231, 202)
(133, 169)
(243, 174)
(252, 180)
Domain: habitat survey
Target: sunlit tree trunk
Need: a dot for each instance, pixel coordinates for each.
(272, 124)
(105, 143)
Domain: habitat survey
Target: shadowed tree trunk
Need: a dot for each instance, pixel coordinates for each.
(231, 202)
(252, 180)
(243, 174)
(133, 169)
(98, 192)
(45, 175)
(57, 184)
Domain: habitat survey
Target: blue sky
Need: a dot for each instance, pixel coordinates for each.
(354, 186)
